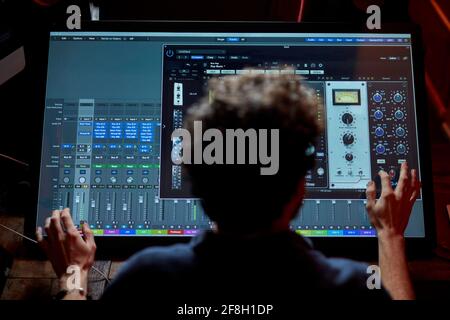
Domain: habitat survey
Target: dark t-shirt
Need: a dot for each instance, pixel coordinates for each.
(213, 267)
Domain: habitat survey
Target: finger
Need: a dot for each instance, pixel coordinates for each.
(403, 180)
(47, 226)
(40, 238)
(67, 221)
(386, 186)
(55, 225)
(415, 183)
(415, 186)
(371, 193)
(88, 235)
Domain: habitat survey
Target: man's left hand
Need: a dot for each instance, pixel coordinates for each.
(65, 246)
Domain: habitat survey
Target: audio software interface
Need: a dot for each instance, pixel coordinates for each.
(113, 100)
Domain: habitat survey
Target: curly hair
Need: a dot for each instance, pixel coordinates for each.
(237, 196)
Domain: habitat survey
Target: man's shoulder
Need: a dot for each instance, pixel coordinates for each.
(345, 272)
(149, 267)
(328, 271)
(162, 258)
(344, 275)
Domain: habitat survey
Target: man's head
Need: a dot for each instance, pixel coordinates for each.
(237, 196)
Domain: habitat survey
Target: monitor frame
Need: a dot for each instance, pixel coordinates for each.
(356, 247)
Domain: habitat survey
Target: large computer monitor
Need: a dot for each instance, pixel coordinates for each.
(115, 93)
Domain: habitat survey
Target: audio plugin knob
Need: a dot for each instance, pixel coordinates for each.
(347, 118)
(378, 114)
(400, 132)
(380, 149)
(379, 132)
(377, 97)
(398, 98)
(401, 148)
(399, 115)
(348, 139)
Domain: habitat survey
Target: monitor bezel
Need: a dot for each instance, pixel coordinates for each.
(356, 247)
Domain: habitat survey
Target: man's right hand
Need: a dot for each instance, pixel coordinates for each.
(390, 214)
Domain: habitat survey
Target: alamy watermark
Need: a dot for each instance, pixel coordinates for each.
(374, 280)
(74, 280)
(374, 20)
(233, 144)
(74, 19)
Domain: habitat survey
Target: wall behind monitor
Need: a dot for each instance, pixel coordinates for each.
(235, 10)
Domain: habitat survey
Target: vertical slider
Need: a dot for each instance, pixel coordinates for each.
(60, 201)
(130, 207)
(92, 209)
(77, 208)
(82, 207)
(162, 212)
(113, 207)
(159, 210)
(194, 212)
(317, 210)
(146, 207)
(141, 208)
(124, 207)
(174, 215)
(67, 201)
(188, 217)
(301, 212)
(97, 209)
(333, 211)
(349, 211)
(364, 213)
